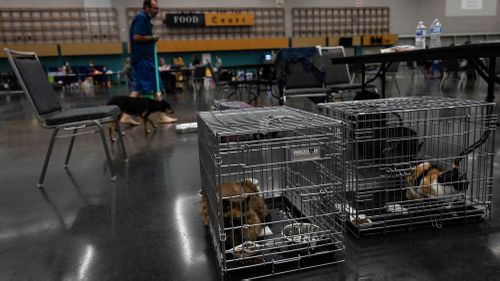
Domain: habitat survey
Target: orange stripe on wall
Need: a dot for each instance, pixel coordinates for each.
(42, 50)
(308, 41)
(222, 45)
(83, 49)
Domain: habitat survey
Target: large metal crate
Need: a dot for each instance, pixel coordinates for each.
(286, 159)
(400, 159)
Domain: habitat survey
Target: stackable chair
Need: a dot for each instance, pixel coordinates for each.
(452, 68)
(40, 94)
(391, 75)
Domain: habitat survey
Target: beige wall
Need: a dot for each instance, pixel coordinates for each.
(40, 3)
(404, 13)
(121, 5)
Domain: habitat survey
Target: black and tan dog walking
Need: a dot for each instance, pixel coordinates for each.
(142, 107)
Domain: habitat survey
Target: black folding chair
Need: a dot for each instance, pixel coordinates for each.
(80, 121)
(223, 82)
(198, 77)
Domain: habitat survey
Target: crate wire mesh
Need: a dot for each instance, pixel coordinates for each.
(399, 161)
(288, 160)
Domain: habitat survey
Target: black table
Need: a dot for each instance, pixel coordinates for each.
(66, 79)
(178, 70)
(258, 81)
(184, 72)
(471, 52)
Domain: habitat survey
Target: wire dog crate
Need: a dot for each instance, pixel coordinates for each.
(273, 189)
(416, 161)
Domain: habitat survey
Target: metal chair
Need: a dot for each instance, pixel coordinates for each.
(80, 121)
(391, 74)
(452, 67)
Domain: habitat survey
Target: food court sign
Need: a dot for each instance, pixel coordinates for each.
(209, 19)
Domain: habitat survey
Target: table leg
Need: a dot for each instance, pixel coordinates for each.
(382, 77)
(491, 80)
(363, 77)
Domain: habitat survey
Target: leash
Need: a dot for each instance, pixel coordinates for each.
(158, 92)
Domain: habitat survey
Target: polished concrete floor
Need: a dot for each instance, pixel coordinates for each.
(146, 225)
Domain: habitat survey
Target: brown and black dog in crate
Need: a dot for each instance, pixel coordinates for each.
(137, 106)
(244, 208)
(427, 180)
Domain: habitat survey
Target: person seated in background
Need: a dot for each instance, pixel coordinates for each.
(218, 63)
(162, 66)
(465, 66)
(127, 71)
(433, 67)
(172, 63)
(97, 75)
(91, 66)
(273, 56)
(66, 68)
(195, 60)
(107, 77)
(178, 63)
(167, 78)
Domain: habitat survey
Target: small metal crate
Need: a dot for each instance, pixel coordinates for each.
(407, 162)
(286, 159)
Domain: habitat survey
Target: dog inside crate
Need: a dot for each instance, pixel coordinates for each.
(406, 165)
(385, 137)
(267, 180)
(382, 136)
(252, 228)
(429, 180)
(242, 205)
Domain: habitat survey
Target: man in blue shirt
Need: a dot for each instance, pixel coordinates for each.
(142, 56)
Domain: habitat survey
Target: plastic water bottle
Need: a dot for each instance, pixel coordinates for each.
(435, 35)
(420, 36)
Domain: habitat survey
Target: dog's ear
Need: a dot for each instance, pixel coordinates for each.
(166, 107)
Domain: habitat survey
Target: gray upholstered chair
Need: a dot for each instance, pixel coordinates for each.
(300, 83)
(40, 94)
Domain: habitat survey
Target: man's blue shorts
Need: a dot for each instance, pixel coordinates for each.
(143, 73)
